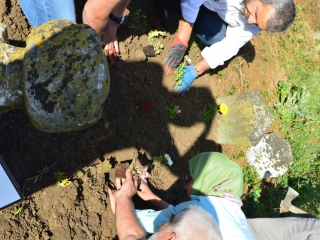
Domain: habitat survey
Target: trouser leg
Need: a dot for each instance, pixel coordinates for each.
(41, 11)
(209, 27)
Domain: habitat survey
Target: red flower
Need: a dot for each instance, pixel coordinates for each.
(147, 106)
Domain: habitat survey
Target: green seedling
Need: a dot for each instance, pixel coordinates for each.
(164, 159)
(157, 45)
(252, 180)
(138, 171)
(209, 112)
(155, 34)
(255, 193)
(18, 211)
(178, 72)
(233, 92)
(174, 112)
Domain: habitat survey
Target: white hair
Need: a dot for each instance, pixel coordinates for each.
(192, 223)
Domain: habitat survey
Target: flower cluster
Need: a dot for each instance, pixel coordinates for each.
(174, 112)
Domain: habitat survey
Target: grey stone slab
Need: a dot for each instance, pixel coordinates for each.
(271, 157)
(247, 119)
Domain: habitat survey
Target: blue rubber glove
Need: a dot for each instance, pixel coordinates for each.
(188, 77)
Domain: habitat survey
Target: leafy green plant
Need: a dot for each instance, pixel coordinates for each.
(178, 71)
(157, 45)
(238, 156)
(209, 112)
(174, 112)
(164, 159)
(293, 108)
(233, 92)
(154, 34)
(252, 180)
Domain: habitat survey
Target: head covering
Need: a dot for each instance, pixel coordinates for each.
(214, 174)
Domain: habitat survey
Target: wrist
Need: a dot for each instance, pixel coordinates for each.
(116, 19)
(121, 195)
(201, 67)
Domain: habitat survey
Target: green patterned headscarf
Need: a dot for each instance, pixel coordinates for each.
(214, 174)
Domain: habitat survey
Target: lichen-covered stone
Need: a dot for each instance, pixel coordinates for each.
(11, 83)
(271, 157)
(66, 76)
(247, 120)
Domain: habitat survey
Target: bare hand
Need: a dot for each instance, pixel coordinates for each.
(127, 188)
(110, 42)
(145, 193)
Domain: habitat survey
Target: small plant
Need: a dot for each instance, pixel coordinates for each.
(155, 33)
(164, 159)
(174, 112)
(252, 180)
(247, 84)
(209, 112)
(62, 179)
(240, 155)
(255, 193)
(157, 45)
(194, 45)
(178, 72)
(137, 170)
(234, 89)
(18, 211)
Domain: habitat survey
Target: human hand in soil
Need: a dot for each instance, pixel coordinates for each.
(127, 190)
(110, 42)
(175, 55)
(189, 75)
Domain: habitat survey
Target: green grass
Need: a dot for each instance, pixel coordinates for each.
(298, 108)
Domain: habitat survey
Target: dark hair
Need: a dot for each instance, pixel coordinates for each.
(282, 19)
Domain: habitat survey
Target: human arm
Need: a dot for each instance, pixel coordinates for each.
(126, 222)
(228, 47)
(96, 14)
(146, 194)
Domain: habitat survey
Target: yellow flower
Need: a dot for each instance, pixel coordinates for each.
(64, 182)
(223, 108)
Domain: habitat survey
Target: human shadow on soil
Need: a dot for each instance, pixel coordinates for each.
(29, 152)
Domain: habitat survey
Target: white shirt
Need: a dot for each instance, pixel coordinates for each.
(239, 31)
(228, 215)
